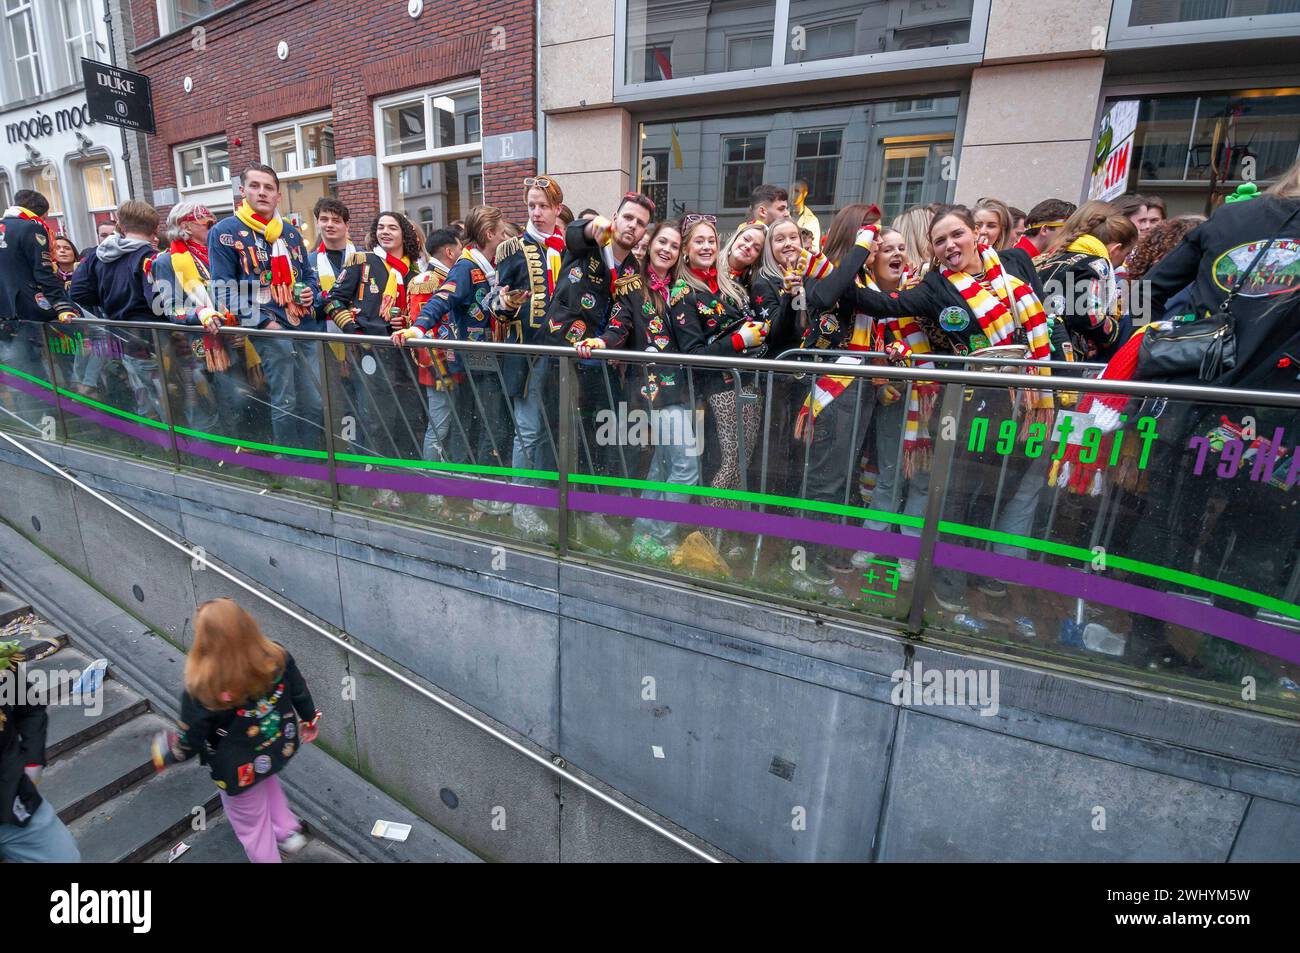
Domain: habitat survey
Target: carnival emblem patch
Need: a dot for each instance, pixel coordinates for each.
(575, 273)
(661, 343)
(954, 319)
(244, 775)
(828, 324)
(1278, 272)
(588, 301)
(656, 325)
(575, 332)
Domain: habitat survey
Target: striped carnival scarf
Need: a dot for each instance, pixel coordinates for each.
(17, 211)
(325, 270)
(827, 388)
(1010, 304)
(917, 441)
(395, 288)
(190, 264)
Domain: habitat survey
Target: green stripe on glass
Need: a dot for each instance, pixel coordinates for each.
(448, 467)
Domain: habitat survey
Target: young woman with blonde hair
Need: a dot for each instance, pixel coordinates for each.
(244, 712)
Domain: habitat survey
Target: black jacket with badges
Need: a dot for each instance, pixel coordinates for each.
(1267, 311)
(770, 302)
(706, 322)
(584, 292)
(251, 741)
(359, 289)
(639, 321)
(30, 290)
(22, 743)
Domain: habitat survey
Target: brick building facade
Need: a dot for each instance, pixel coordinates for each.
(337, 96)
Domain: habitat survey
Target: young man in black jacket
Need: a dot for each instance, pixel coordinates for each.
(30, 830)
(30, 292)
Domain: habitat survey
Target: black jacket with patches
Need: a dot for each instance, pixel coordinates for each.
(22, 742)
(584, 292)
(1078, 289)
(360, 288)
(1267, 311)
(705, 323)
(30, 290)
(639, 321)
(521, 266)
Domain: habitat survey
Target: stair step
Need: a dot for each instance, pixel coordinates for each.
(12, 607)
(150, 814)
(73, 725)
(219, 845)
(37, 641)
(80, 780)
(67, 659)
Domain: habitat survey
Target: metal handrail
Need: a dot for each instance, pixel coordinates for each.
(1195, 392)
(200, 555)
(800, 352)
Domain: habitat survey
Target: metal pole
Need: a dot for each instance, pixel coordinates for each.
(564, 454)
(54, 380)
(166, 398)
(327, 400)
(940, 472)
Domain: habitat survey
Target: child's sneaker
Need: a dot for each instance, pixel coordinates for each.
(292, 844)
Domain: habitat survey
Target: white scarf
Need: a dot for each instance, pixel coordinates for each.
(325, 270)
(553, 257)
(484, 265)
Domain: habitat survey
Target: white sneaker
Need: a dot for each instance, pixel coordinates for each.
(906, 570)
(861, 559)
(292, 844)
(529, 522)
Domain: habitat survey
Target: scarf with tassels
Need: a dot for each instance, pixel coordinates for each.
(325, 270)
(917, 441)
(827, 388)
(189, 262)
(1104, 412)
(395, 288)
(282, 274)
(1001, 304)
(554, 245)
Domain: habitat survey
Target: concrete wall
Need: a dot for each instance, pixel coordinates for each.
(776, 729)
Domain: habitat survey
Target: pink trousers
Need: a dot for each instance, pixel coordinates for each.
(260, 817)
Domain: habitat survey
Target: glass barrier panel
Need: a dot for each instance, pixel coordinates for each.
(720, 476)
(27, 396)
(249, 407)
(109, 383)
(465, 440)
(1148, 540)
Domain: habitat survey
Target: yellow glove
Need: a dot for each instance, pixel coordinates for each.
(406, 334)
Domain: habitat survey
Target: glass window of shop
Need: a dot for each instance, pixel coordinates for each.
(45, 179)
(175, 14)
(1192, 150)
(302, 152)
(854, 152)
(666, 41)
(431, 153)
(100, 191)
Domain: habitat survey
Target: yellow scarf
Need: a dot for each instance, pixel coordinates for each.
(1089, 245)
(270, 230)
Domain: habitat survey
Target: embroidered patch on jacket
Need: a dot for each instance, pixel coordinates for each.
(476, 275)
(576, 330)
(588, 301)
(244, 775)
(228, 240)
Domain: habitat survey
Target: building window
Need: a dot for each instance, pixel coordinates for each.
(912, 174)
(79, 29)
(1146, 12)
(823, 41)
(21, 29)
(176, 14)
(6, 191)
(45, 179)
(817, 162)
(302, 152)
(670, 41)
(654, 179)
(431, 153)
(743, 161)
(100, 191)
(203, 165)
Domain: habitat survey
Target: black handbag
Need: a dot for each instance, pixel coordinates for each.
(1205, 346)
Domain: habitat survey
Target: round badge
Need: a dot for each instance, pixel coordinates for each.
(1055, 305)
(575, 273)
(369, 365)
(953, 319)
(588, 302)
(262, 763)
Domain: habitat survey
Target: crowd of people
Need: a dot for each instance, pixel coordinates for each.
(1059, 283)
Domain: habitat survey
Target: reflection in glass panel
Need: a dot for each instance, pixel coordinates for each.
(218, 164)
(456, 119)
(318, 144)
(192, 173)
(1145, 12)
(282, 150)
(447, 189)
(830, 29)
(404, 128)
(712, 164)
(668, 40)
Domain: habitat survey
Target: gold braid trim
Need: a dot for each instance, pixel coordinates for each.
(536, 264)
(506, 249)
(356, 258)
(627, 284)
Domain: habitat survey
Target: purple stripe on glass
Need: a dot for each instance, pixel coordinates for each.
(473, 489)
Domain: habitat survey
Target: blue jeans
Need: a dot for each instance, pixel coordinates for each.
(673, 462)
(889, 437)
(532, 447)
(292, 377)
(43, 841)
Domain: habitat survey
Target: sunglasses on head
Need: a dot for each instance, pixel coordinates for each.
(694, 218)
(538, 182)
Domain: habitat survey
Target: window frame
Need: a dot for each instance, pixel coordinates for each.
(781, 71)
(168, 20)
(86, 7)
(27, 9)
(296, 124)
(795, 159)
(724, 163)
(1121, 36)
(468, 150)
(201, 144)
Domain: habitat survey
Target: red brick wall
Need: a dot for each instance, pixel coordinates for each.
(342, 55)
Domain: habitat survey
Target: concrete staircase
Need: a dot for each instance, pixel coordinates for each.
(99, 776)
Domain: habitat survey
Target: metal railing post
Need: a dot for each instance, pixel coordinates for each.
(564, 454)
(327, 406)
(54, 381)
(945, 453)
(166, 397)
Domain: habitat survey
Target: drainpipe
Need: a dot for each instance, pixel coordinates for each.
(537, 91)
